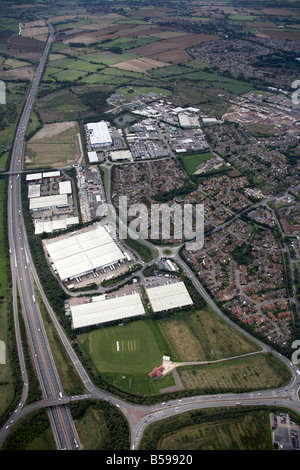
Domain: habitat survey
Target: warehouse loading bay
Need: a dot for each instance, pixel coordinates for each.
(120, 264)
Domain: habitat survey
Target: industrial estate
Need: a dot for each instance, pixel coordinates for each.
(111, 340)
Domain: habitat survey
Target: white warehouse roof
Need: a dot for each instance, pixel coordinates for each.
(34, 176)
(52, 225)
(45, 202)
(34, 190)
(51, 174)
(169, 296)
(93, 158)
(65, 187)
(184, 120)
(107, 310)
(99, 133)
(121, 155)
(82, 253)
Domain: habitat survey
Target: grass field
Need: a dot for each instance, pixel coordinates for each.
(191, 162)
(109, 58)
(254, 372)
(96, 428)
(53, 145)
(128, 94)
(3, 278)
(201, 335)
(61, 106)
(14, 63)
(218, 81)
(68, 75)
(33, 124)
(242, 430)
(125, 355)
(101, 78)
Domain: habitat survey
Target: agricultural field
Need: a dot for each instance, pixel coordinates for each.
(111, 51)
(210, 336)
(60, 106)
(252, 372)
(54, 145)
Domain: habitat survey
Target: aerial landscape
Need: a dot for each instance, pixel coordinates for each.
(150, 227)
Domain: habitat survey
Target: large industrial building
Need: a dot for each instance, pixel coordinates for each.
(168, 296)
(50, 226)
(65, 187)
(106, 310)
(48, 202)
(98, 134)
(121, 155)
(83, 252)
(40, 176)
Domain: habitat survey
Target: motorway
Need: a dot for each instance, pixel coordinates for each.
(26, 280)
(60, 418)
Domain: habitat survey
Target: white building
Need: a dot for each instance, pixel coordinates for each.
(92, 156)
(99, 134)
(48, 202)
(168, 296)
(65, 187)
(53, 225)
(34, 190)
(184, 120)
(106, 310)
(51, 174)
(120, 155)
(84, 252)
(34, 176)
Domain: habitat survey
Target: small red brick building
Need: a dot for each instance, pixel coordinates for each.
(156, 372)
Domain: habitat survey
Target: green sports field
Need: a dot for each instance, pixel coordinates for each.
(126, 354)
(191, 162)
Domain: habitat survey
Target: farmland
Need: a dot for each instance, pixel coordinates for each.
(55, 145)
(210, 336)
(113, 52)
(254, 372)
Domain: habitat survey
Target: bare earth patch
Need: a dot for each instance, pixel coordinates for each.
(56, 145)
(140, 65)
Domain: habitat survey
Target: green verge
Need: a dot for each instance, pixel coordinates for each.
(242, 428)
